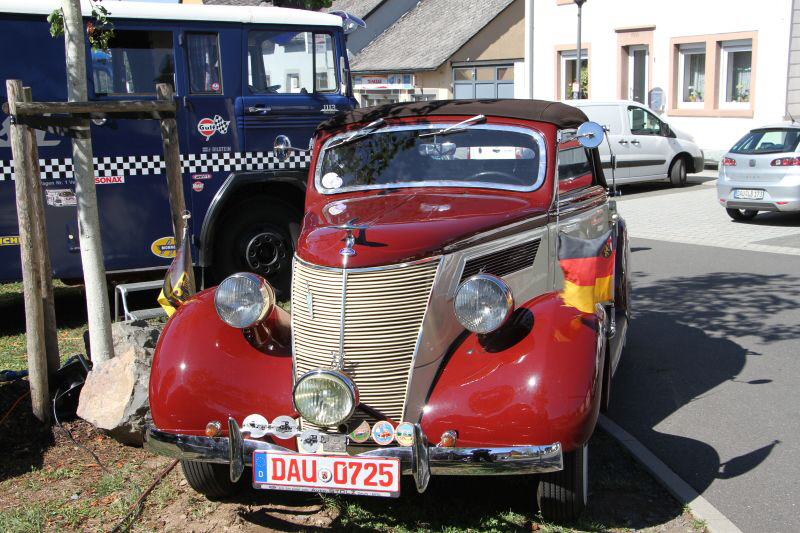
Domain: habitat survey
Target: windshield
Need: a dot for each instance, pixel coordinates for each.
(499, 157)
(768, 142)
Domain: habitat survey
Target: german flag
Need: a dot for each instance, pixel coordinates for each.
(588, 266)
(179, 281)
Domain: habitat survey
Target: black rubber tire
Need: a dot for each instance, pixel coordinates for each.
(562, 495)
(677, 173)
(212, 480)
(742, 214)
(241, 224)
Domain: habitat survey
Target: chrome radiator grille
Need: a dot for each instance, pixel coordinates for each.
(383, 312)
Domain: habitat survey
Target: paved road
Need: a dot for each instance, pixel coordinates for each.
(710, 379)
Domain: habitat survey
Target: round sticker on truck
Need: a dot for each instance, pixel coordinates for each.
(164, 247)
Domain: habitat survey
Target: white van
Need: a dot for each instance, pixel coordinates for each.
(646, 147)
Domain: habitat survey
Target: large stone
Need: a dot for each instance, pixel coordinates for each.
(114, 397)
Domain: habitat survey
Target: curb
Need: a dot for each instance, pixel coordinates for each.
(715, 521)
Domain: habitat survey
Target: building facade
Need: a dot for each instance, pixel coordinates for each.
(712, 69)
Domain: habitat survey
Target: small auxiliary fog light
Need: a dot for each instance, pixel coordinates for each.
(448, 439)
(213, 428)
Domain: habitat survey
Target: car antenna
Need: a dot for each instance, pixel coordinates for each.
(613, 161)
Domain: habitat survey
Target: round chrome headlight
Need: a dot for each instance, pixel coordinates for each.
(243, 299)
(325, 397)
(483, 303)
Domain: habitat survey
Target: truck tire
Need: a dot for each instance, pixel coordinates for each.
(562, 495)
(677, 173)
(257, 235)
(212, 480)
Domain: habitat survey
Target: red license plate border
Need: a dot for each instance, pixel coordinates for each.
(386, 493)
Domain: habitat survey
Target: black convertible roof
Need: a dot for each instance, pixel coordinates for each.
(562, 115)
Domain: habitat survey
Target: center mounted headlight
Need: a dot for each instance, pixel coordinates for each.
(483, 303)
(325, 397)
(243, 299)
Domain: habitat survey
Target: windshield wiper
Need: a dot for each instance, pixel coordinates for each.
(461, 126)
(360, 133)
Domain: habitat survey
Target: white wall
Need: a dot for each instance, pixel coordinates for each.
(556, 25)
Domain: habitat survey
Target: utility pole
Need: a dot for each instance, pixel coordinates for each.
(576, 88)
(94, 274)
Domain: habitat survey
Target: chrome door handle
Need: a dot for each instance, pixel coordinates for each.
(258, 110)
(623, 141)
(637, 143)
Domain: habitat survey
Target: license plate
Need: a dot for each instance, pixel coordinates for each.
(748, 194)
(326, 473)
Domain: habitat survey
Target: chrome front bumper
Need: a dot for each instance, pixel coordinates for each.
(419, 460)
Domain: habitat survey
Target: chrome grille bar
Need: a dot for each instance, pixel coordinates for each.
(375, 314)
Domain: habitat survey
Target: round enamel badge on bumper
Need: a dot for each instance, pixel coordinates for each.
(383, 433)
(404, 434)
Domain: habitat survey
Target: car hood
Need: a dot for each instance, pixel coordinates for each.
(405, 226)
(680, 134)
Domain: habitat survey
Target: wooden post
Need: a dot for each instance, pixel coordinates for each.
(26, 169)
(94, 274)
(45, 271)
(172, 159)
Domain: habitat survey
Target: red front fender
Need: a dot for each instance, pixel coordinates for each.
(542, 388)
(204, 370)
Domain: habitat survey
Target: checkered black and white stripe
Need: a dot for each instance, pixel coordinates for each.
(54, 169)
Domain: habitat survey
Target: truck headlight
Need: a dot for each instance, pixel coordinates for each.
(483, 303)
(325, 397)
(243, 299)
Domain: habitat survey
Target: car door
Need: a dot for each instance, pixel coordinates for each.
(611, 117)
(292, 83)
(648, 153)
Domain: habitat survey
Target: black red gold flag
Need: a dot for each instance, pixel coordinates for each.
(588, 266)
(178, 282)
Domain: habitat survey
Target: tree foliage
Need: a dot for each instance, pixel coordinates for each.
(98, 28)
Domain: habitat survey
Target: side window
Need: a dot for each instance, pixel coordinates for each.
(643, 122)
(135, 62)
(574, 167)
(290, 62)
(204, 67)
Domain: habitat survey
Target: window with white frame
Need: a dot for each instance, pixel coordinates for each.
(736, 63)
(570, 79)
(692, 74)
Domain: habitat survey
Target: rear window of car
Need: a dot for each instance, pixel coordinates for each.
(769, 141)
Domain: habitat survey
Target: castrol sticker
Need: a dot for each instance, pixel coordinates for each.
(209, 126)
(197, 186)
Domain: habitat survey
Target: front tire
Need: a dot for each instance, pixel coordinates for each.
(212, 480)
(742, 214)
(677, 173)
(258, 235)
(562, 495)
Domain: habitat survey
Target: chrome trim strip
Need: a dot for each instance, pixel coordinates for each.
(535, 134)
(496, 233)
(369, 269)
(505, 460)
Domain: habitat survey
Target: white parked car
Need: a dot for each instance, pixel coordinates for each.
(762, 172)
(645, 146)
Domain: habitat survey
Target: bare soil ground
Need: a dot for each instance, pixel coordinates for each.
(50, 483)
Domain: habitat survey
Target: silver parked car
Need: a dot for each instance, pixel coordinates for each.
(762, 172)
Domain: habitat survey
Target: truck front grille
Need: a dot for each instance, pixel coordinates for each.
(383, 312)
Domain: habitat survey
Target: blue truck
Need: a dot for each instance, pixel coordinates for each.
(241, 75)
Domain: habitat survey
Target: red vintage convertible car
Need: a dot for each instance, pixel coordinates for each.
(459, 304)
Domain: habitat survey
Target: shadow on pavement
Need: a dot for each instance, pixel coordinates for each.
(679, 350)
(784, 220)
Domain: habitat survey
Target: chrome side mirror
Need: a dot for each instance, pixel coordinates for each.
(283, 146)
(590, 134)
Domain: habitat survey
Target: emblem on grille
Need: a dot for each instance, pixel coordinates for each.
(309, 302)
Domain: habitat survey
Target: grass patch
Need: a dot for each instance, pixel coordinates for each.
(70, 319)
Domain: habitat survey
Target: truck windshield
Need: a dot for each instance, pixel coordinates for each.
(488, 156)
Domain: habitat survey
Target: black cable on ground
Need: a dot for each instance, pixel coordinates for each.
(57, 396)
(137, 508)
